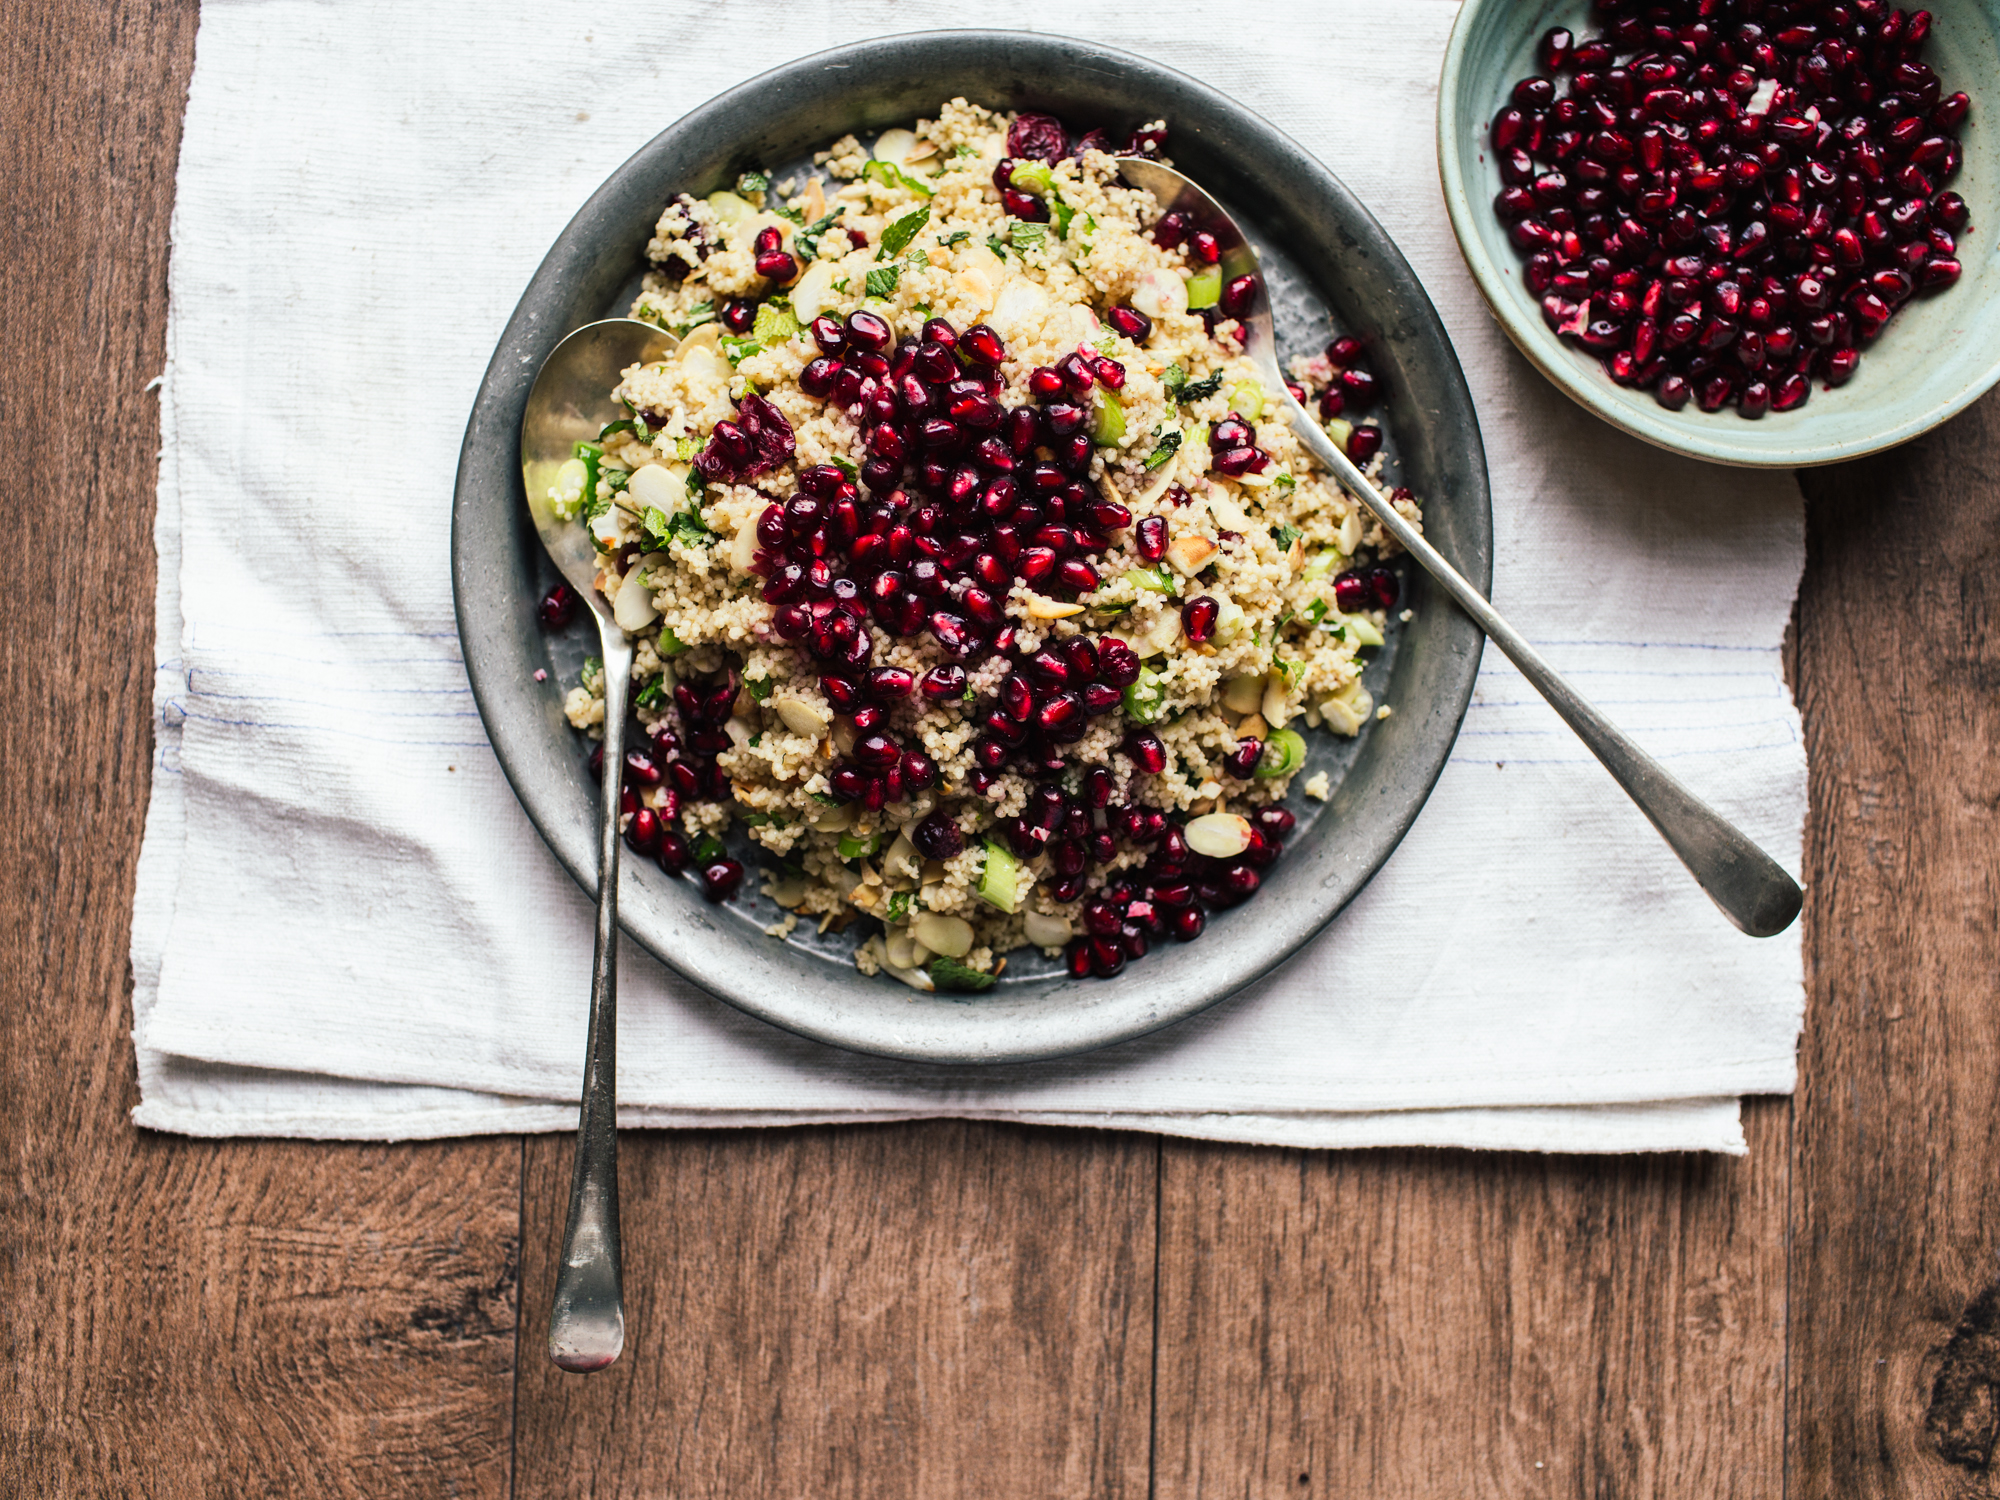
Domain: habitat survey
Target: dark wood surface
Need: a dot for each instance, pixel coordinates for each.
(952, 1309)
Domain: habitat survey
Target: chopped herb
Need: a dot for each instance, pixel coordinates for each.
(669, 643)
(806, 242)
(882, 280)
(997, 246)
(921, 309)
(656, 527)
(753, 182)
(1200, 390)
(1285, 482)
(760, 688)
(774, 325)
(1169, 445)
(841, 285)
(956, 237)
(696, 486)
(632, 425)
(950, 974)
(702, 312)
(754, 819)
(755, 741)
(739, 350)
(1174, 379)
(1063, 214)
(962, 151)
(652, 693)
(1025, 236)
(687, 526)
(899, 906)
(889, 175)
(1316, 611)
(592, 670)
(823, 800)
(1284, 536)
(709, 849)
(846, 466)
(786, 213)
(896, 238)
(685, 449)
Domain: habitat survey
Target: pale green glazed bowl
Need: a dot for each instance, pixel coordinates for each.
(1940, 353)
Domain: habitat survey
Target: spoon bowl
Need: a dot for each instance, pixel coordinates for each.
(1752, 890)
(571, 403)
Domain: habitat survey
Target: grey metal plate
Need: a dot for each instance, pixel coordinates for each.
(1326, 256)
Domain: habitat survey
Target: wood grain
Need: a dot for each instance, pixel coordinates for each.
(1389, 1324)
(953, 1309)
(1895, 1375)
(177, 1318)
(869, 1313)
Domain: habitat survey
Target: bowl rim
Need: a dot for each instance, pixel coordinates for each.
(1549, 355)
(777, 982)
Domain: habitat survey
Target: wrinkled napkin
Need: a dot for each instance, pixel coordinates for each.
(346, 927)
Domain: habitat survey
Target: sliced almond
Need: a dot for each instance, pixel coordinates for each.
(895, 145)
(1218, 835)
(1048, 609)
(633, 609)
(1253, 727)
(975, 284)
(800, 716)
(815, 205)
(1295, 558)
(1228, 514)
(1190, 553)
(652, 485)
(1241, 695)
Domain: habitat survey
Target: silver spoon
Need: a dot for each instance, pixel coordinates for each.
(1753, 891)
(571, 401)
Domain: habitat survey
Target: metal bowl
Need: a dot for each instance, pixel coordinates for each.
(1935, 358)
(1326, 253)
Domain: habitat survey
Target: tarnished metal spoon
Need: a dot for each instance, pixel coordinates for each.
(571, 401)
(1749, 886)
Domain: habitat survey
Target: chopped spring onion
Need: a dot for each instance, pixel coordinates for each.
(1107, 424)
(1284, 753)
(1204, 288)
(1145, 698)
(998, 882)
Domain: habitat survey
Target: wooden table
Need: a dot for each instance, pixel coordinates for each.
(952, 1309)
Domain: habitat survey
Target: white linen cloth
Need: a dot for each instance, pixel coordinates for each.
(346, 927)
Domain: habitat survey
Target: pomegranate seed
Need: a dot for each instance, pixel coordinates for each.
(1364, 443)
(1117, 663)
(720, 878)
(945, 683)
(1187, 922)
(1131, 323)
(643, 832)
(558, 607)
(1198, 618)
(1205, 247)
(1239, 296)
(982, 345)
(777, 265)
(738, 315)
(1145, 750)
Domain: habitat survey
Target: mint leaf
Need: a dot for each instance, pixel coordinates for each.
(896, 238)
(805, 244)
(1169, 446)
(1198, 390)
(753, 182)
(1025, 236)
(956, 237)
(950, 974)
(882, 280)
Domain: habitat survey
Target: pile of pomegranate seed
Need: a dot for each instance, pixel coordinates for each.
(1176, 889)
(1733, 196)
(958, 496)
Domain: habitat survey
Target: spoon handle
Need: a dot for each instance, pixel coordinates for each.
(587, 1322)
(1749, 886)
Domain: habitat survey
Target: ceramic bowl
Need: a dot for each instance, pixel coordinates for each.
(1328, 258)
(1939, 353)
